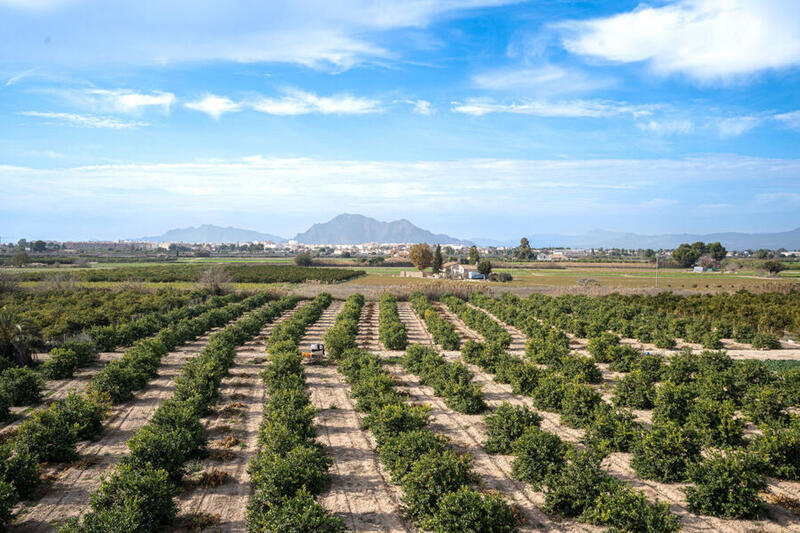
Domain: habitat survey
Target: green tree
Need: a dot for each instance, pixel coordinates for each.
(473, 255)
(717, 251)
(485, 267)
(420, 255)
(772, 266)
(524, 251)
(685, 255)
(19, 259)
(303, 259)
(39, 246)
(438, 261)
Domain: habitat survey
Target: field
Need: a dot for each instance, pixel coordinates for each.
(176, 410)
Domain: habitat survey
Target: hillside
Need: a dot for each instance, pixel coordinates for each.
(356, 229)
(208, 233)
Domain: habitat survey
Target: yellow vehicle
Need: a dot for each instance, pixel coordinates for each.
(315, 353)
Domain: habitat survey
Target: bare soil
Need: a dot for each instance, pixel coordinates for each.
(359, 490)
(232, 433)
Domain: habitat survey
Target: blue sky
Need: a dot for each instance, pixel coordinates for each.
(480, 118)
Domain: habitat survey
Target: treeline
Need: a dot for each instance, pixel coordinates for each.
(190, 272)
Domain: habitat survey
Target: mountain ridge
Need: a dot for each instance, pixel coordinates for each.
(209, 233)
(357, 229)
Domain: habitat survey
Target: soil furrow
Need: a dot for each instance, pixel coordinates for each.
(232, 433)
(359, 490)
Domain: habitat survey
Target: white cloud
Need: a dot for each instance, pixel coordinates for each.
(297, 102)
(667, 127)
(85, 121)
(422, 107)
(214, 106)
(567, 108)
(791, 119)
(790, 198)
(542, 80)
(704, 39)
(127, 101)
(17, 77)
(315, 33)
(735, 126)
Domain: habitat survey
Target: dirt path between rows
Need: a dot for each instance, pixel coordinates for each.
(232, 434)
(518, 339)
(415, 327)
(368, 337)
(359, 490)
(68, 495)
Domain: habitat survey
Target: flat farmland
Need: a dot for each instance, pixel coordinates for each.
(447, 414)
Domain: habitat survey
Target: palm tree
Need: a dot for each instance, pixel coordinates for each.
(17, 337)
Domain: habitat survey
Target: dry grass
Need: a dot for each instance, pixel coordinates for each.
(222, 456)
(231, 408)
(792, 504)
(225, 428)
(213, 478)
(200, 521)
(228, 442)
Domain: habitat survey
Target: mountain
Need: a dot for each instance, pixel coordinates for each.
(357, 229)
(213, 234)
(611, 239)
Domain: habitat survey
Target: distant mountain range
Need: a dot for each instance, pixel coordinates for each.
(357, 229)
(610, 239)
(212, 234)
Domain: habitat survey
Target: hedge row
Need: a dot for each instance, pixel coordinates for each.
(58, 314)
(52, 434)
(293, 328)
(443, 332)
(451, 381)
(436, 481)
(478, 321)
(290, 467)
(139, 364)
(239, 273)
(139, 492)
(392, 331)
(342, 335)
(109, 337)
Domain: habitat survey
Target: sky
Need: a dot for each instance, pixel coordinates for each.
(476, 118)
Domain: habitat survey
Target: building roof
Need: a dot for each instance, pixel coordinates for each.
(449, 264)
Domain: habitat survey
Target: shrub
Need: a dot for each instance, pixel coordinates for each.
(160, 448)
(651, 366)
(579, 405)
(743, 333)
(431, 477)
(23, 385)
(278, 476)
(549, 394)
(673, 402)
(449, 380)
(47, 436)
(778, 449)
(129, 500)
(401, 451)
(712, 341)
(726, 486)
(61, 365)
(538, 454)
(715, 423)
(395, 418)
(506, 425)
(469, 511)
(663, 341)
(296, 514)
(84, 412)
(5, 405)
(612, 430)
(443, 332)
(574, 489)
(20, 469)
(8, 499)
(624, 358)
(635, 391)
(600, 347)
(765, 341)
(665, 452)
(629, 510)
(580, 369)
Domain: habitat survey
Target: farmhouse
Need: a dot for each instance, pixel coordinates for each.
(453, 270)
